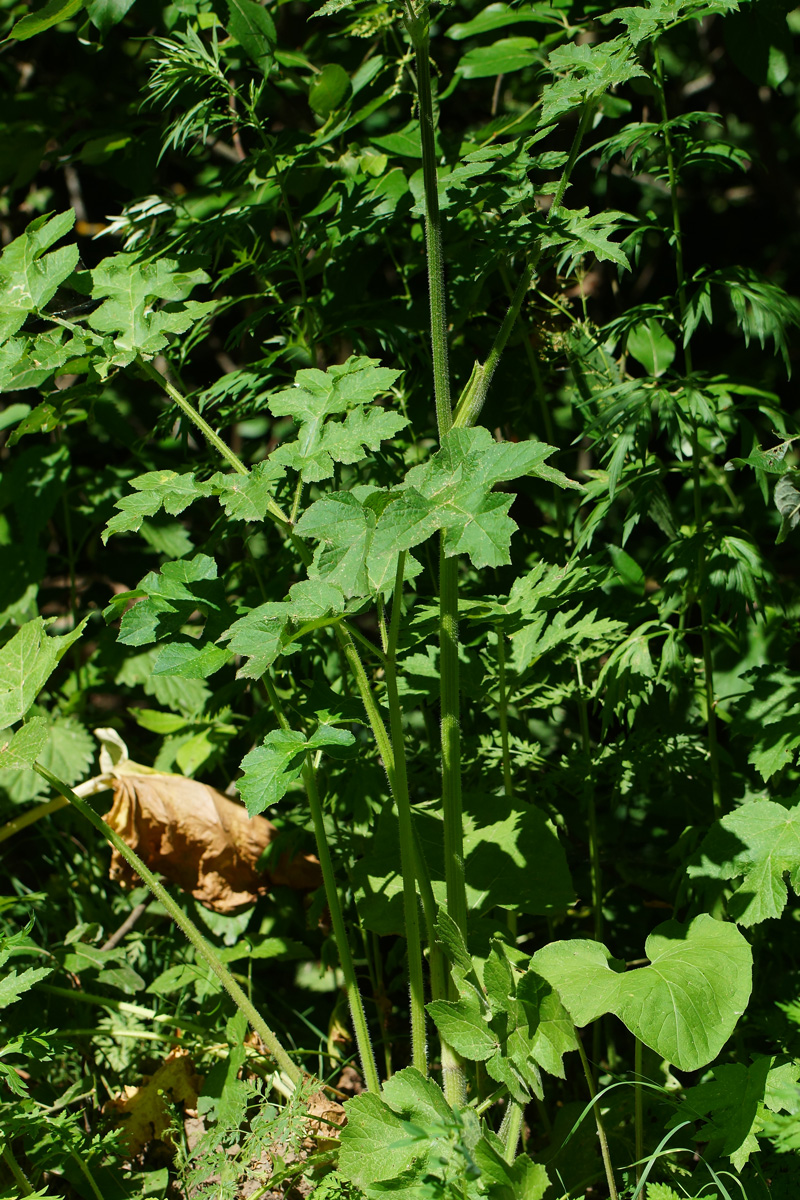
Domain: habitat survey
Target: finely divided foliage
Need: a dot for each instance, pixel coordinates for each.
(453, 539)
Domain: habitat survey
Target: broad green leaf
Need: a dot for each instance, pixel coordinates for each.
(329, 90)
(453, 491)
(26, 663)
(105, 14)
(395, 1143)
(341, 391)
(651, 346)
(758, 843)
(246, 497)
(587, 72)
(684, 1005)
(68, 751)
(498, 16)
(759, 42)
(521, 1180)
(464, 1024)
(507, 55)
(271, 769)
(578, 234)
(191, 659)
(52, 13)
(269, 630)
(512, 855)
(731, 1106)
(28, 276)
(787, 502)
(168, 598)
(25, 746)
(649, 20)
(170, 490)
(254, 30)
(132, 294)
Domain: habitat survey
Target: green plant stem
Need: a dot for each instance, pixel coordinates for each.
(708, 668)
(16, 1170)
(472, 399)
(638, 1101)
(208, 433)
(511, 1129)
(357, 1014)
(594, 841)
(502, 708)
(419, 1054)
(203, 948)
(83, 1167)
(601, 1132)
(418, 31)
(31, 816)
(386, 751)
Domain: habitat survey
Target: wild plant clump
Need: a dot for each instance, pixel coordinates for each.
(411, 459)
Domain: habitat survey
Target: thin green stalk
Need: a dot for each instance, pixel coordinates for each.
(208, 433)
(357, 1014)
(594, 842)
(203, 948)
(16, 1170)
(419, 1052)
(502, 706)
(418, 30)
(638, 1100)
(511, 1128)
(601, 1132)
(83, 1167)
(708, 669)
(31, 816)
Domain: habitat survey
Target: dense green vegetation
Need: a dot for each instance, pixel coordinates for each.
(398, 435)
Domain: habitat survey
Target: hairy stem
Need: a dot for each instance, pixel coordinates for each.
(638, 1101)
(418, 31)
(357, 1014)
(708, 670)
(511, 1129)
(502, 706)
(419, 1053)
(203, 948)
(601, 1132)
(20, 1179)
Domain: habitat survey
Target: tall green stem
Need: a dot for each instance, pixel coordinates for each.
(16, 1170)
(601, 1131)
(708, 668)
(502, 706)
(419, 1053)
(417, 26)
(594, 843)
(638, 1102)
(357, 1013)
(203, 948)
(511, 1129)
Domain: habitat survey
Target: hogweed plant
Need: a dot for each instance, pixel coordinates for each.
(474, 726)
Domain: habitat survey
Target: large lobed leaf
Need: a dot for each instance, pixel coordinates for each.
(758, 844)
(684, 1005)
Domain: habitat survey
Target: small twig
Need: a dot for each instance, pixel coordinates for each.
(126, 926)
